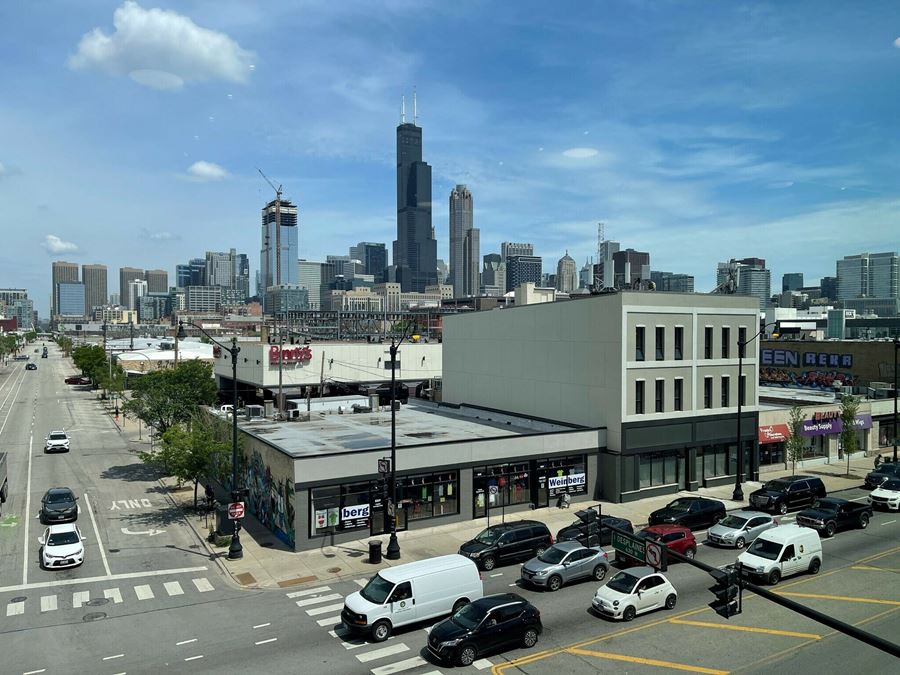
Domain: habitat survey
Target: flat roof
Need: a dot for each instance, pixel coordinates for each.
(418, 423)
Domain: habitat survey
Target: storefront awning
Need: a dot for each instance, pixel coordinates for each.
(773, 433)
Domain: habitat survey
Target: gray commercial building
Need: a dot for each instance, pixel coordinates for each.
(157, 281)
(676, 283)
(521, 269)
(868, 275)
(126, 276)
(94, 278)
(279, 249)
(566, 274)
(750, 276)
(791, 281)
(71, 299)
(493, 275)
(373, 257)
(286, 298)
(202, 298)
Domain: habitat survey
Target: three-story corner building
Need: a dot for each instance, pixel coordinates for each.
(658, 371)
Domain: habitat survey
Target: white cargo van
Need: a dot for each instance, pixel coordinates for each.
(782, 551)
(416, 591)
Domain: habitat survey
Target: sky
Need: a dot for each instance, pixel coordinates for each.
(131, 132)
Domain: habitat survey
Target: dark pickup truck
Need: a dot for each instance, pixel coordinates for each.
(831, 514)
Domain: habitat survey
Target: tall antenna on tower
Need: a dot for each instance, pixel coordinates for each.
(415, 110)
(403, 110)
(601, 237)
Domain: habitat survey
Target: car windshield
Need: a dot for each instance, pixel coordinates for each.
(552, 556)
(734, 522)
(824, 505)
(469, 616)
(377, 590)
(58, 436)
(623, 582)
(488, 536)
(765, 549)
(62, 539)
(679, 506)
(892, 484)
(58, 497)
(775, 486)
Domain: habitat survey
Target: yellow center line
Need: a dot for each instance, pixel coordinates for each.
(747, 629)
(647, 662)
(871, 568)
(844, 598)
(879, 555)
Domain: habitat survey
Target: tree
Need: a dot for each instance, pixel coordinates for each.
(31, 336)
(849, 408)
(163, 399)
(91, 359)
(794, 444)
(65, 344)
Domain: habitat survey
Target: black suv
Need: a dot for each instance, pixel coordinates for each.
(691, 512)
(882, 473)
(486, 625)
(592, 530)
(507, 543)
(790, 492)
(58, 505)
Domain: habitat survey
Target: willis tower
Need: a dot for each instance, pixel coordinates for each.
(415, 249)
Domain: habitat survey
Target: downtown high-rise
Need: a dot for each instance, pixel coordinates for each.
(278, 252)
(62, 272)
(464, 244)
(95, 287)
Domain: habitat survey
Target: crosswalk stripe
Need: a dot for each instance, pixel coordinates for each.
(317, 601)
(308, 591)
(347, 639)
(390, 650)
(330, 621)
(399, 666)
(14, 608)
(143, 592)
(113, 594)
(79, 598)
(361, 582)
(202, 585)
(173, 588)
(48, 603)
(330, 609)
(481, 664)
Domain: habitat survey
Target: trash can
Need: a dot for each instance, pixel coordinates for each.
(375, 551)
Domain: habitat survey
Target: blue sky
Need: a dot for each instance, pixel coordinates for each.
(130, 132)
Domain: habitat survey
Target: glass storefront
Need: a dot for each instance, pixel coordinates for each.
(658, 468)
(772, 453)
(713, 461)
(535, 482)
(429, 495)
(885, 433)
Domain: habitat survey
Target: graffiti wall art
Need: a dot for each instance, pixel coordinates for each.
(271, 499)
(810, 379)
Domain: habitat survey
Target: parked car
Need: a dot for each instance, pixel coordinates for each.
(790, 492)
(508, 542)
(78, 379)
(57, 441)
(565, 562)
(58, 505)
(882, 473)
(780, 552)
(632, 592)
(30, 366)
(484, 626)
(675, 538)
(591, 529)
(831, 514)
(886, 495)
(739, 528)
(692, 512)
(61, 546)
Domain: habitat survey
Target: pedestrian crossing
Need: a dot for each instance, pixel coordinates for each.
(398, 654)
(115, 595)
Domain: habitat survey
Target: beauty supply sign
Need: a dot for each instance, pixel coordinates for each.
(825, 424)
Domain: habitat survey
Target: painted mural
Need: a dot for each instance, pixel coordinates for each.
(271, 499)
(813, 379)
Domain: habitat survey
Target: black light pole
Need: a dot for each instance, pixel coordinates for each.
(896, 431)
(393, 547)
(235, 549)
(738, 494)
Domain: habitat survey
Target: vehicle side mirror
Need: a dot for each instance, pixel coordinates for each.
(83, 538)
(41, 541)
(640, 593)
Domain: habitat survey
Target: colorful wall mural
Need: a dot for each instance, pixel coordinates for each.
(270, 498)
(813, 379)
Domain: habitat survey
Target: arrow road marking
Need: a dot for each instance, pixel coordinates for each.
(151, 532)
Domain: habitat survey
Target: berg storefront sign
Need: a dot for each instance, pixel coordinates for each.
(824, 424)
(301, 354)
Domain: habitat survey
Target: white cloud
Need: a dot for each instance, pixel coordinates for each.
(206, 171)
(580, 153)
(159, 235)
(161, 49)
(54, 244)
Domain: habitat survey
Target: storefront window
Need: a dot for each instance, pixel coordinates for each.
(339, 508)
(816, 446)
(428, 495)
(771, 453)
(659, 468)
(325, 510)
(714, 460)
(885, 434)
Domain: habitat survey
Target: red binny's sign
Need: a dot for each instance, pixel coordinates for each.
(299, 354)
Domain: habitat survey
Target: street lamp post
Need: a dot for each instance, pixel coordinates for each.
(393, 547)
(235, 549)
(896, 431)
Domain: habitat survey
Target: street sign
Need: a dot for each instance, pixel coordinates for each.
(655, 555)
(632, 547)
(384, 465)
(235, 510)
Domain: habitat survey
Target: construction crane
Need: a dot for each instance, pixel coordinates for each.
(278, 191)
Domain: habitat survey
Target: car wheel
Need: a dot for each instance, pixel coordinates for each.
(670, 601)
(690, 553)
(599, 573)
(774, 577)
(782, 508)
(554, 583)
(864, 521)
(739, 542)
(530, 638)
(381, 631)
(540, 550)
(466, 655)
(629, 613)
(830, 529)
(459, 604)
(815, 566)
(488, 563)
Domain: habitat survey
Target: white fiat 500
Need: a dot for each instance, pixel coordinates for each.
(61, 546)
(632, 592)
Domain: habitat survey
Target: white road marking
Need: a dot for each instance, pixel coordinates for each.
(185, 642)
(319, 600)
(511, 585)
(888, 522)
(499, 574)
(143, 592)
(390, 650)
(194, 658)
(308, 591)
(361, 582)
(261, 625)
(35, 672)
(400, 666)
(173, 588)
(80, 598)
(264, 642)
(115, 656)
(481, 664)
(15, 608)
(113, 594)
(330, 609)
(97, 535)
(25, 560)
(330, 621)
(48, 603)
(88, 580)
(202, 585)
(350, 642)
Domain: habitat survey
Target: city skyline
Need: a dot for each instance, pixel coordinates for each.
(612, 114)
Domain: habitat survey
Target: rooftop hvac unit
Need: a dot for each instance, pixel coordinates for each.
(293, 414)
(254, 412)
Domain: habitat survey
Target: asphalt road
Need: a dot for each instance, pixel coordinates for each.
(296, 630)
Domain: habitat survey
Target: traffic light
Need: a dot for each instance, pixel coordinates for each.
(727, 591)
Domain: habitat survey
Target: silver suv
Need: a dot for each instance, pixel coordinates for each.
(564, 562)
(57, 441)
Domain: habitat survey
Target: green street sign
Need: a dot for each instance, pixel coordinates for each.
(633, 548)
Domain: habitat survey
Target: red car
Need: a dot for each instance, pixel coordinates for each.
(675, 537)
(78, 379)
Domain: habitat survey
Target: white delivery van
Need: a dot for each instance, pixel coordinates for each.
(780, 552)
(416, 591)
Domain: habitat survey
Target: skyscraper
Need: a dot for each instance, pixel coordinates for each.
(137, 288)
(868, 275)
(182, 276)
(521, 269)
(71, 299)
(509, 249)
(630, 267)
(374, 258)
(220, 268)
(415, 249)
(310, 274)
(566, 274)
(752, 278)
(792, 281)
(677, 283)
(61, 272)
(278, 266)
(126, 276)
(464, 244)
(493, 275)
(157, 281)
(94, 278)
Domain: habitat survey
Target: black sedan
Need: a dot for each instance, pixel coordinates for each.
(591, 529)
(882, 473)
(692, 512)
(487, 625)
(30, 366)
(59, 505)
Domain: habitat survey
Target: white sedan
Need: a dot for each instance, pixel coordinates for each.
(634, 591)
(886, 495)
(61, 546)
